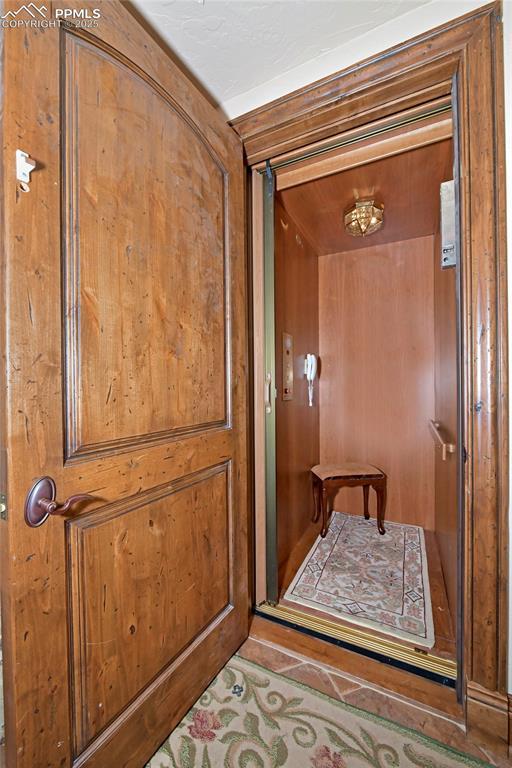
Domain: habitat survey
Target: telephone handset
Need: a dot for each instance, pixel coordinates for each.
(310, 369)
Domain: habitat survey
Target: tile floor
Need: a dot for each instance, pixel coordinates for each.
(363, 694)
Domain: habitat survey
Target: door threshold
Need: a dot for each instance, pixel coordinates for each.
(389, 651)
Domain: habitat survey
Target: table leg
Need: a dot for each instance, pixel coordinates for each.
(366, 491)
(316, 500)
(325, 512)
(380, 490)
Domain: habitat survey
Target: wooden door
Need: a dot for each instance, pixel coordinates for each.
(124, 299)
(446, 523)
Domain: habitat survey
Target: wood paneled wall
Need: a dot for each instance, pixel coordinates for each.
(297, 425)
(446, 517)
(377, 371)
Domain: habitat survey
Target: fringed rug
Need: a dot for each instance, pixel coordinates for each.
(253, 718)
(375, 581)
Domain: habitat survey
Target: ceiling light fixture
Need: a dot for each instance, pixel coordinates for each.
(363, 218)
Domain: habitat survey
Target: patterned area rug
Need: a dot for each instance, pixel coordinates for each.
(253, 718)
(375, 581)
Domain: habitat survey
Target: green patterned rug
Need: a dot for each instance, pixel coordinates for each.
(251, 717)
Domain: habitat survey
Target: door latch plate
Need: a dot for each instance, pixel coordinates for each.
(448, 225)
(24, 166)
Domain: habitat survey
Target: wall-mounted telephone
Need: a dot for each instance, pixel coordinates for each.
(310, 368)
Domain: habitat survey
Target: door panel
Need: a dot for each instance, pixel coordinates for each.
(126, 356)
(131, 583)
(173, 326)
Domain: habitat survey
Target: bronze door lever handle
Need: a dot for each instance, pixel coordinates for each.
(41, 502)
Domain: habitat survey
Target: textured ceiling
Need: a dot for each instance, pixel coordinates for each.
(233, 46)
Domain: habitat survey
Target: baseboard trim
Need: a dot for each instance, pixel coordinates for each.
(488, 718)
(509, 726)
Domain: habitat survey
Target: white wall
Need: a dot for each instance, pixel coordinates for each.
(404, 27)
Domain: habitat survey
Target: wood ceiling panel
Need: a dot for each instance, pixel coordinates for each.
(407, 184)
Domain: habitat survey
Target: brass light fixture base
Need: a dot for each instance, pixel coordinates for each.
(363, 218)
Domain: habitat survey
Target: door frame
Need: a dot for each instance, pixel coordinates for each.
(419, 127)
(462, 59)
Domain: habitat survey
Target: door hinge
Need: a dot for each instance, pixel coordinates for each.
(3, 482)
(269, 179)
(464, 454)
(3, 506)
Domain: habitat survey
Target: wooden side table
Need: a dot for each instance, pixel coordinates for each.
(329, 478)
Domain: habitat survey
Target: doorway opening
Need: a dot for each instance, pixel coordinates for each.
(363, 356)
